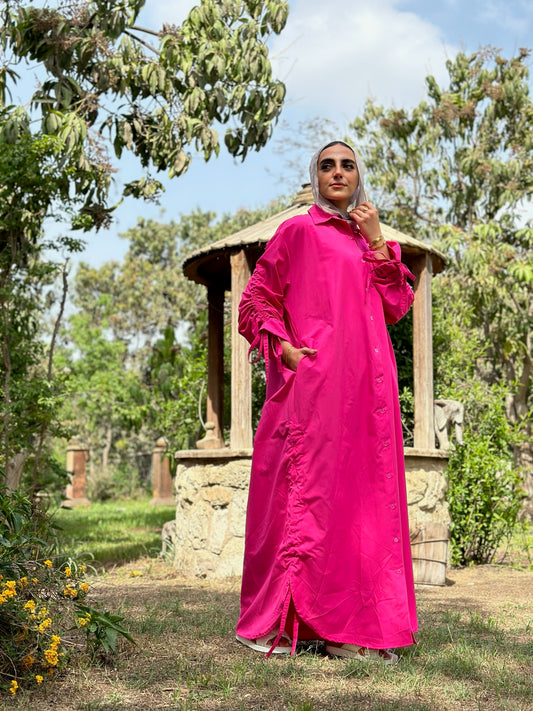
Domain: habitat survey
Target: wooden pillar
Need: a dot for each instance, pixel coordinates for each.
(424, 434)
(241, 371)
(214, 438)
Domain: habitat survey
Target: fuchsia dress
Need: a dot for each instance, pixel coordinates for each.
(327, 539)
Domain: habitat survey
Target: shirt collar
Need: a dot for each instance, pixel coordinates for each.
(320, 216)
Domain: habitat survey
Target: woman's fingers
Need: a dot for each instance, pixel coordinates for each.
(296, 355)
(367, 218)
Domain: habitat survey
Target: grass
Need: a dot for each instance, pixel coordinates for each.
(113, 533)
(475, 646)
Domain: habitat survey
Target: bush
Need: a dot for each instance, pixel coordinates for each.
(44, 618)
(485, 493)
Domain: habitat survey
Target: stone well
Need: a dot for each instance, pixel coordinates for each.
(212, 492)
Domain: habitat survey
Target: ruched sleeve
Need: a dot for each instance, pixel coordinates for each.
(261, 312)
(389, 278)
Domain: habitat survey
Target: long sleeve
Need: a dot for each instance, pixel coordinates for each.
(261, 309)
(389, 278)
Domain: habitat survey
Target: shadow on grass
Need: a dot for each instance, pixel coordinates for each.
(112, 533)
(186, 650)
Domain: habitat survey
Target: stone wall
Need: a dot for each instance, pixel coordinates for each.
(212, 492)
(211, 496)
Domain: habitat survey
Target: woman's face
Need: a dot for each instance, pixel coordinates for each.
(337, 175)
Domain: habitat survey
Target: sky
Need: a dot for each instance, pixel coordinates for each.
(332, 56)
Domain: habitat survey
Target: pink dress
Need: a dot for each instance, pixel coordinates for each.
(327, 540)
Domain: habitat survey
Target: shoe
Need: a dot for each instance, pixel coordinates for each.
(263, 644)
(364, 654)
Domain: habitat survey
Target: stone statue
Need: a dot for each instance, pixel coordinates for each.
(448, 414)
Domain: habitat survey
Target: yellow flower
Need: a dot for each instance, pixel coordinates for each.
(34, 581)
(9, 590)
(43, 612)
(48, 563)
(44, 624)
(68, 572)
(30, 605)
(82, 621)
(88, 616)
(3, 599)
(69, 591)
(51, 657)
(83, 568)
(24, 581)
(56, 639)
(39, 679)
(84, 587)
(13, 688)
(27, 662)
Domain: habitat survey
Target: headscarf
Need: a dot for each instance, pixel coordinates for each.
(358, 196)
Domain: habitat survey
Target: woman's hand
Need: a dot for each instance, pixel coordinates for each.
(367, 218)
(291, 356)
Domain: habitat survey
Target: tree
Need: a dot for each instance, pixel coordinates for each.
(154, 93)
(457, 170)
(102, 80)
(32, 185)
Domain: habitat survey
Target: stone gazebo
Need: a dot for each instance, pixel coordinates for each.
(212, 480)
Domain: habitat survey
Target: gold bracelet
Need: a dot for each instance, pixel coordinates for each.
(377, 243)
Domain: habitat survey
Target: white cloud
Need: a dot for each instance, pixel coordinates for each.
(334, 55)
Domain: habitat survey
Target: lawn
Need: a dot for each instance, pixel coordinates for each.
(113, 532)
(474, 652)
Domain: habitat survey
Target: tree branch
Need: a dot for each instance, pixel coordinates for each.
(141, 41)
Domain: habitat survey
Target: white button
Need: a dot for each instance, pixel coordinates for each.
(376, 350)
(389, 475)
(371, 318)
(379, 380)
(386, 443)
(393, 506)
(396, 540)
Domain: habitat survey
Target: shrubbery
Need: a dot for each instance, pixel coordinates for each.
(485, 492)
(44, 619)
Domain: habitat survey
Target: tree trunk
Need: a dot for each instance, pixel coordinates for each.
(14, 468)
(107, 448)
(524, 461)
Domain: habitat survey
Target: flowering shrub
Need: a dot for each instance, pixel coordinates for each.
(44, 618)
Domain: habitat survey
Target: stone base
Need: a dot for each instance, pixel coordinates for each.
(212, 494)
(75, 503)
(157, 501)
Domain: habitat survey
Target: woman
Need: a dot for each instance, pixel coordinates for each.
(327, 540)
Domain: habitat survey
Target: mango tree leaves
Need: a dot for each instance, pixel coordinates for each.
(159, 94)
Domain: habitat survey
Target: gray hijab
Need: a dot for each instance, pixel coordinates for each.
(358, 196)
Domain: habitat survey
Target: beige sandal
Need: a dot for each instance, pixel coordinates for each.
(365, 654)
(264, 644)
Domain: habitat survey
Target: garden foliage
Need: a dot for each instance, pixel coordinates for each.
(45, 620)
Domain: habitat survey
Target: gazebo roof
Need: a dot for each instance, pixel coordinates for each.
(211, 264)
